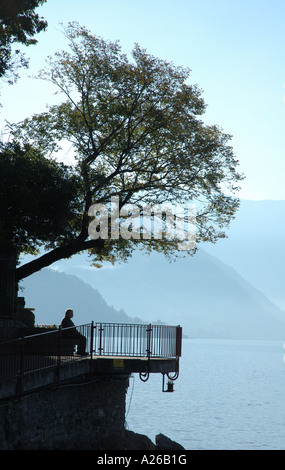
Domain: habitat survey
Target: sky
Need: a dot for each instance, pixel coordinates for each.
(234, 48)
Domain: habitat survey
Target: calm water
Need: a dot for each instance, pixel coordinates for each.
(229, 395)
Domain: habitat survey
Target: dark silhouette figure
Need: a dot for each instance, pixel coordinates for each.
(72, 333)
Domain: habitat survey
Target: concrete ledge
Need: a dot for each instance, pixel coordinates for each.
(32, 381)
(130, 365)
(81, 369)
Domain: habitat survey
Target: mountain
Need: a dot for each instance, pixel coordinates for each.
(233, 289)
(205, 296)
(50, 293)
(255, 247)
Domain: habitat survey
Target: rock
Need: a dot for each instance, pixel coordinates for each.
(164, 443)
(125, 440)
(135, 441)
(129, 440)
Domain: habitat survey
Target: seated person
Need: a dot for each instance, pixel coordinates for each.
(72, 332)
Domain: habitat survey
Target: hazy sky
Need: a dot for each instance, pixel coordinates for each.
(235, 49)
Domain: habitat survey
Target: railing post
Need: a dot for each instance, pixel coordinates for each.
(59, 344)
(91, 346)
(178, 341)
(100, 339)
(91, 339)
(149, 330)
(21, 371)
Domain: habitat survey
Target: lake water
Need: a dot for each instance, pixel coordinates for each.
(229, 395)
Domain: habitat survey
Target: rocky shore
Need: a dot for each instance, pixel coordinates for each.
(127, 440)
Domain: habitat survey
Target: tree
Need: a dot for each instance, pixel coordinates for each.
(135, 128)
(38, 201)
(18, 24)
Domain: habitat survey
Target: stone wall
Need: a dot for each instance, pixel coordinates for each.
(83, 416)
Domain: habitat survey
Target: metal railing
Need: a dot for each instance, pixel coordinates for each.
(40, 351)
(119, 339)
(60, 346)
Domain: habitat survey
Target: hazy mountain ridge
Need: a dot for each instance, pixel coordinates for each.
(51, 293)
(255, 247)
(207, 297)
(219, 293)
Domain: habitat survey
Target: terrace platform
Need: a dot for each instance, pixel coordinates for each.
(39, 361)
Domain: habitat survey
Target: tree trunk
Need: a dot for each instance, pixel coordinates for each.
(7, 283)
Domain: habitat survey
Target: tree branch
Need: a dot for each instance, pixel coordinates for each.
(55, 255)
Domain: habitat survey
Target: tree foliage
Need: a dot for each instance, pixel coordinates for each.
(136, 130)
(18, 24)
(38, 199)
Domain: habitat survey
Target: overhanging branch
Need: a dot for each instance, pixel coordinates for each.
(55, 255)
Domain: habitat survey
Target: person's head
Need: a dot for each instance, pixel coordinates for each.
(69, 313)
